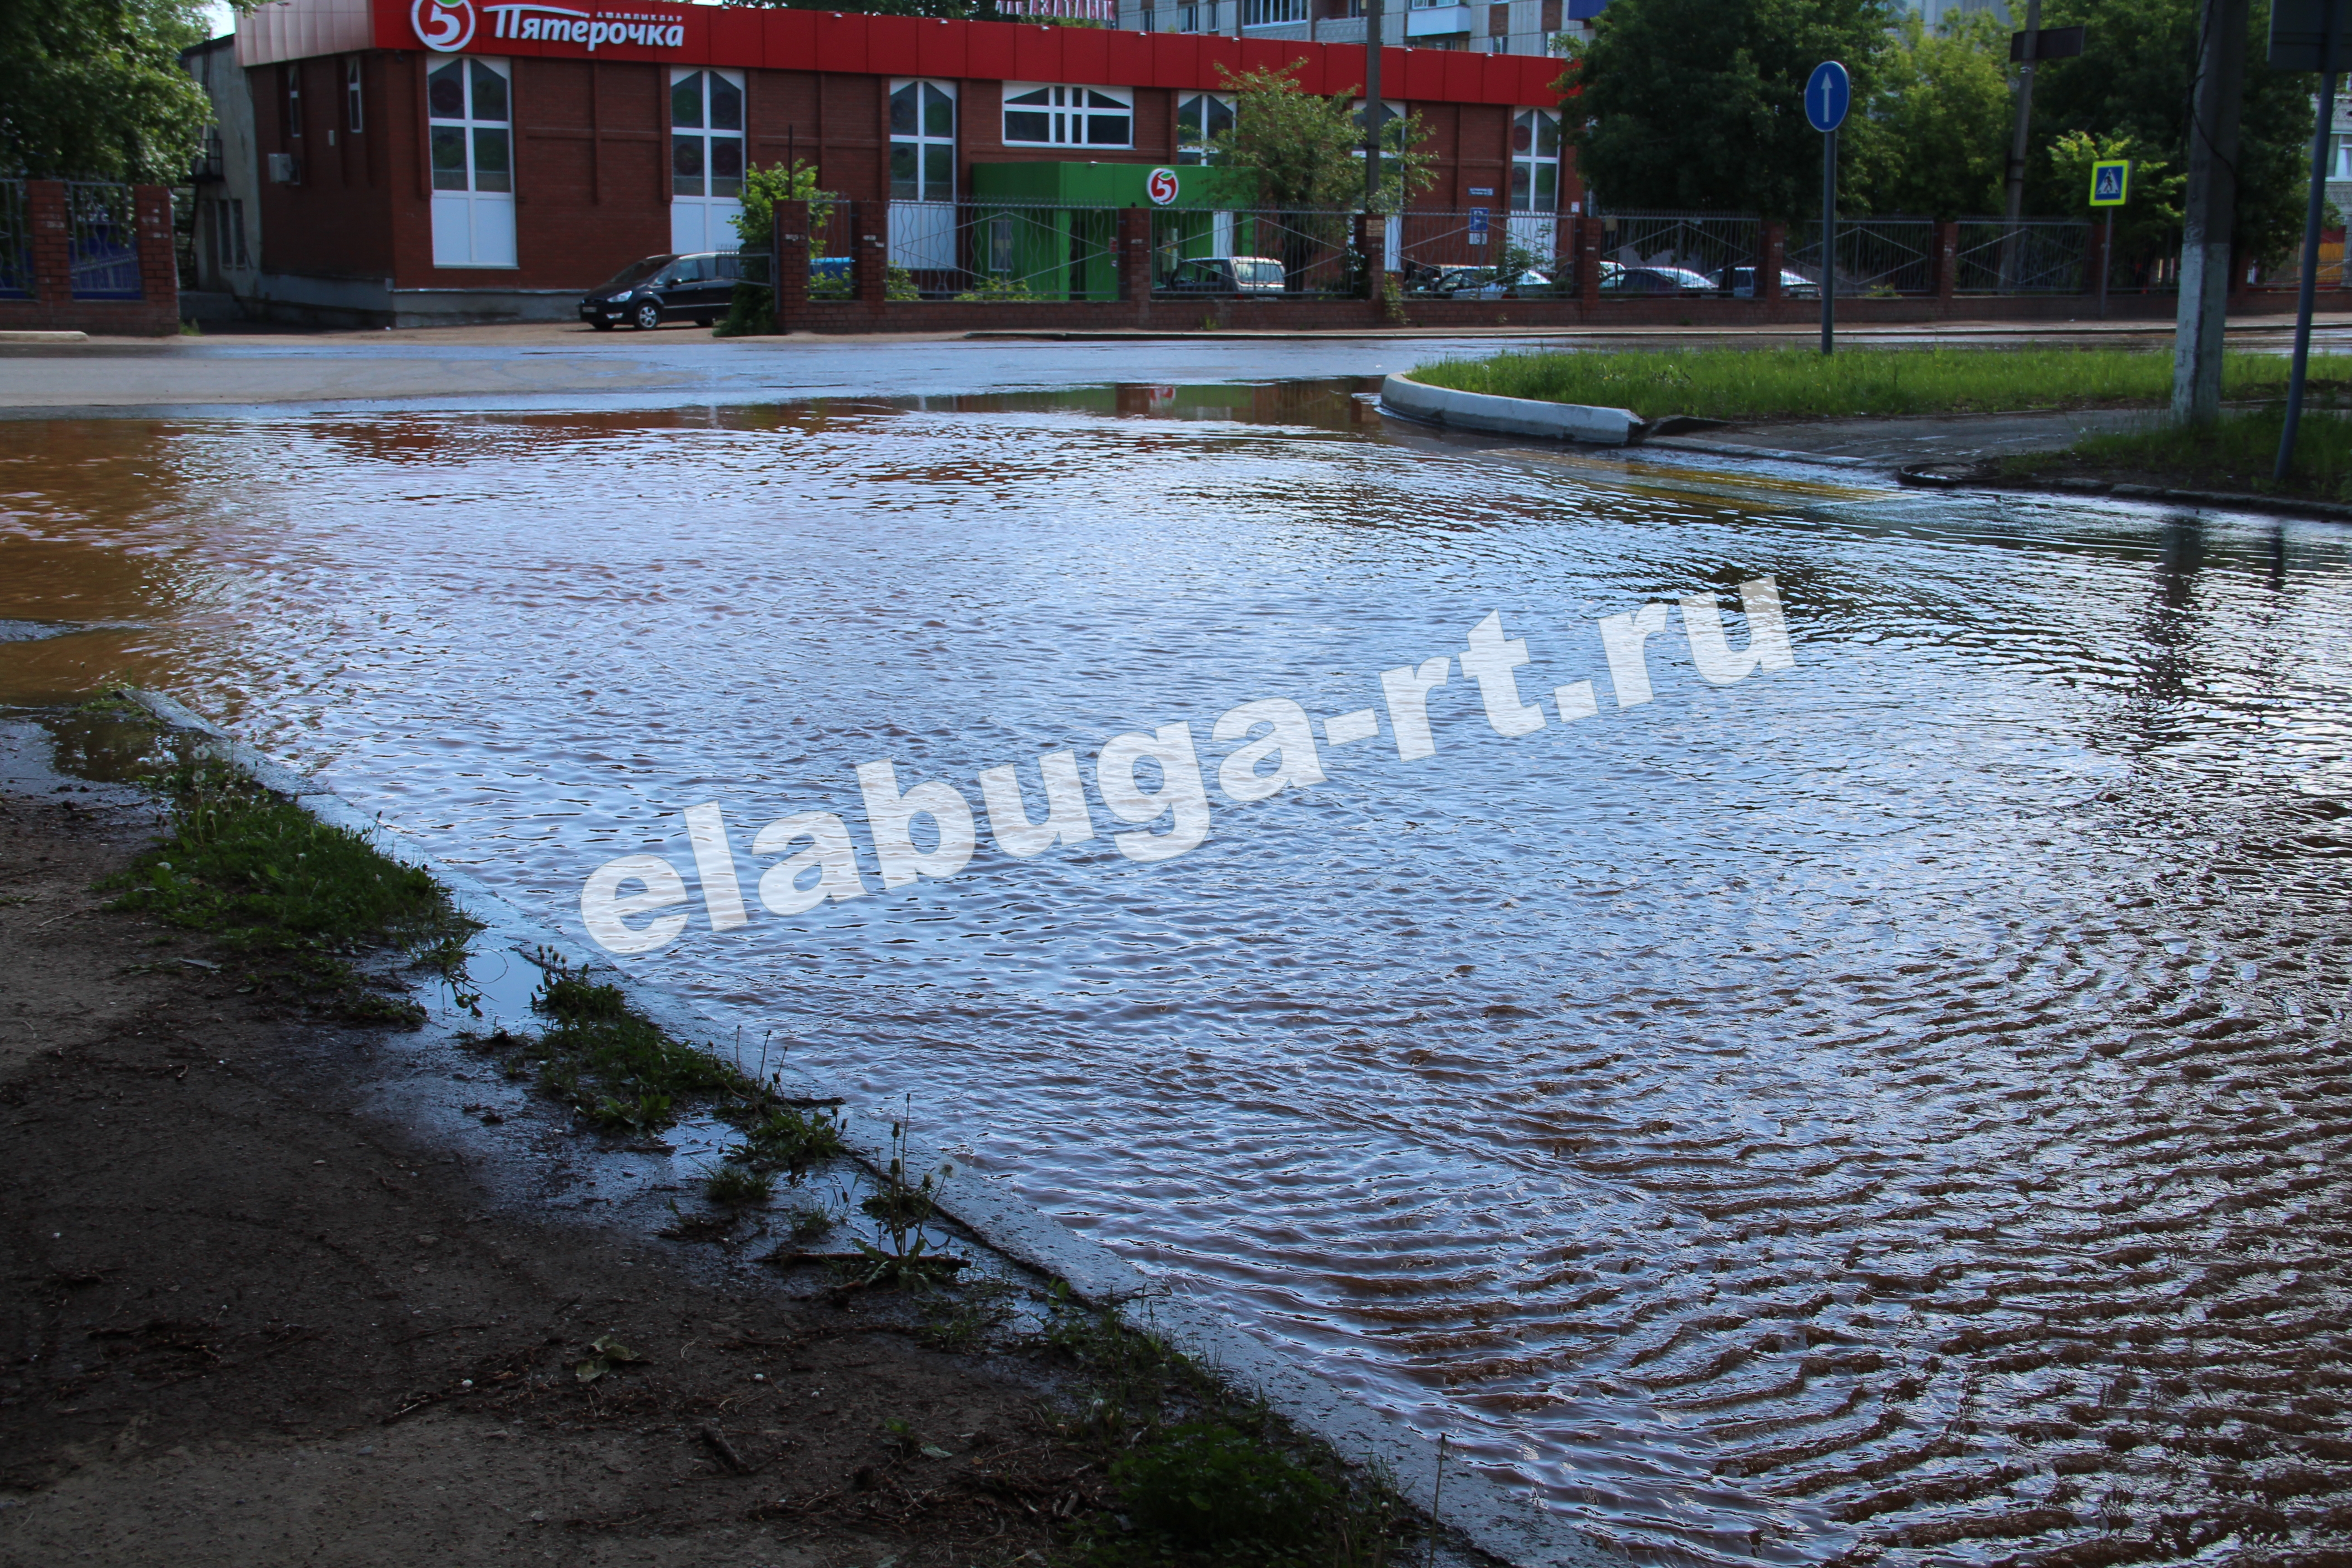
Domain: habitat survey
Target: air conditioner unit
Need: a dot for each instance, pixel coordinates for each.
(284, 170)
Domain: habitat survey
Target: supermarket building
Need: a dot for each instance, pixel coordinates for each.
(419, 161)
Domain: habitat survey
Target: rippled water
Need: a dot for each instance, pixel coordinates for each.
(1891, 1109)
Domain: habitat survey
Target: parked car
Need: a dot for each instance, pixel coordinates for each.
(1739, 282)
(1618, 278)
(1480, 283)
(665, 289)
(1226, 275)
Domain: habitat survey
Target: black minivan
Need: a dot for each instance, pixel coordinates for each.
(660, 288)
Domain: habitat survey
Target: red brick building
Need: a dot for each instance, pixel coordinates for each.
(426, 161)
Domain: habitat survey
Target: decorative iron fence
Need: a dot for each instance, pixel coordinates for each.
(2035, 256)
(1679, 253)
(103, 247)
(1475, 253)
(15, 243)
(1880, 257)
(1255, 254)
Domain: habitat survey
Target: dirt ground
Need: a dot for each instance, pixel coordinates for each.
(248, 1323)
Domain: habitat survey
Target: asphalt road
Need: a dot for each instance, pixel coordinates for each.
(556, 364)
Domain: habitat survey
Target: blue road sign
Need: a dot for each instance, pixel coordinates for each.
(1827, 95)
(2108, 182)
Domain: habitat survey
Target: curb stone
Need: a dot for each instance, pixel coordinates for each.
(1924, 477)
(1501, 1522)
(1583, 422)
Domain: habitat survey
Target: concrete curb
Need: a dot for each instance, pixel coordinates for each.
(27, 336)
(1924, 477)
(1509, 415)
(1500, 1521)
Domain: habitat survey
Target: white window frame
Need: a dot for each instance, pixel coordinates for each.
(355, 101)
(1204, 150)
(1273, 13)
(704, 218)
(1534, 163)
(1071, 111)
(1396, 108)
(472, 227)
(922, 141)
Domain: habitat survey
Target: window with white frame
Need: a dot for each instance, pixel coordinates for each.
(1056, 116)
(354, 110)
(922, 141)
(705, 158)
(1390, 110)
(1272, 12)
(1535, 160)
(1201, 118)
(471, 136)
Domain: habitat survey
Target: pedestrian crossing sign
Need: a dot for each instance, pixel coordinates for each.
(2108, 180)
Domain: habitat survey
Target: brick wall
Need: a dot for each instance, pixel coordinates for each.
(52, 307)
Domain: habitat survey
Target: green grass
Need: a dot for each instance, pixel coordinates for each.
(1787, 383)
(296, 898)
(2235, 453)
(616, 1067)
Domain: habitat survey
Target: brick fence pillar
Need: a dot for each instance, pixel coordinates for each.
(1135, 262)
(1588, 260)
(869, 229)
(789, 244)
(159, 261)
(1948, 259)
(52, 243)
(1775, 257)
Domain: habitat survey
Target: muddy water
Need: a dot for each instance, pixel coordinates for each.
(1893, 1108)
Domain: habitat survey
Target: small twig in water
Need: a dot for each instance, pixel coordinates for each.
(1436, 1496)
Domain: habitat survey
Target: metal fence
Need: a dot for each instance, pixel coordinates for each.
(103, 244)
(1654, 252)
(1880, 257)
(1472, 253)
(2035, 256)
(1255, 253)
(15, 243)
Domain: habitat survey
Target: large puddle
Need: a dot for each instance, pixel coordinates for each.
(1895, 1106)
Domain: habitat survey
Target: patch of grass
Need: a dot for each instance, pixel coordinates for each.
(1205, 1487)
(790, 1139)
(738, 1186)
(297, 899)
(808, 1223)
(2235, 453)
(1790, 382)
(615, 1068)
(961, 1320)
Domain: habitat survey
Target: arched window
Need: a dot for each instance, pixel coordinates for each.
(472, 138)
(1535, 160)
(705, 158)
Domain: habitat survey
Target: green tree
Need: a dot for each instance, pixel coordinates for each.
(2133, 82)
(1698, 104)
(1304, 146)
(93, 90)
(1941, 120)
(763, 188)
(2147, 226)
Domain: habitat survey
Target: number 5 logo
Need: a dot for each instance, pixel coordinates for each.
(1162, 187)
(443, 25)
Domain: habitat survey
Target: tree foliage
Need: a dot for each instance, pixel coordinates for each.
(763, 188)
(1304, 146)
(1939, 122)
(2133, 80)
(93, 90)
(2147, 226)
(1698, 104)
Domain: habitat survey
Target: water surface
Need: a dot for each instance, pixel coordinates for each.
(1893, 1108)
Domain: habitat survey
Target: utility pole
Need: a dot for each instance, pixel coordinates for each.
(2211, 210)
(2286, 56)
(2013, 206)
(1373, 20)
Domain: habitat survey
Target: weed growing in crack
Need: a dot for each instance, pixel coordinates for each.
(738, 1186)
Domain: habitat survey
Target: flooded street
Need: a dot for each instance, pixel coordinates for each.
(1892, 1107)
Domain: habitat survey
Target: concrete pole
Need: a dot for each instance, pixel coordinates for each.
(2211, 210)
(1373, 28)
(2313, 217)
(2013, 206)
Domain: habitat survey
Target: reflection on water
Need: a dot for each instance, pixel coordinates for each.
(1892, 1109)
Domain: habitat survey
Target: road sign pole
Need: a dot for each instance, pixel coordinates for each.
(2106, 262)
(1829, 242)
(2311, 221)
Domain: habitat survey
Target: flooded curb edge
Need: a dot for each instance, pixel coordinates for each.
(1491, 1517)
